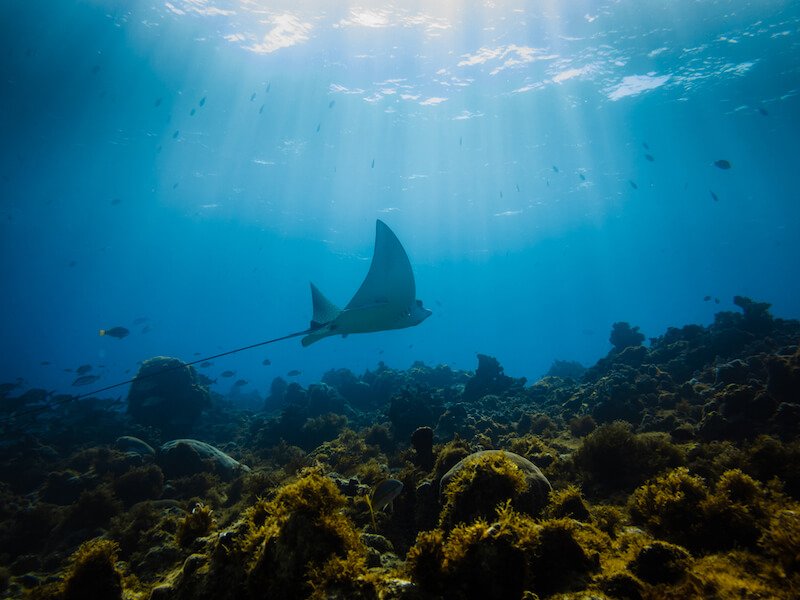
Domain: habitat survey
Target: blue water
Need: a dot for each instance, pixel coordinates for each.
(195, 164)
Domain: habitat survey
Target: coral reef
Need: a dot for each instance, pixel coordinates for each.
(670, 470)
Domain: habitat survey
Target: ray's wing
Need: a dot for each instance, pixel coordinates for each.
(324, 310)
(390, 278)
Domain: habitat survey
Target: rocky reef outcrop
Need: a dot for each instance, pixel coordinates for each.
(167, 395)
(666, 469)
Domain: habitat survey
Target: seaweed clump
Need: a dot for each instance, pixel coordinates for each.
(303, 530)
(197, 523)
(475, 486)
(678, 507)
(507, 558)
(299, 544)
(613, 458)
(92, 573)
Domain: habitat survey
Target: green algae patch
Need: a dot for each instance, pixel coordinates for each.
(297, 544)
(91, 573)
(197, 523)
(506, 558)
(782, 538)
(613, 458)
(304, 528)
(475, 487)
(568, 503)
(680, 508)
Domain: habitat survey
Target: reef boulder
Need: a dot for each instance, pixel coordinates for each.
(166, 394)
(179, 458)
(475, 486)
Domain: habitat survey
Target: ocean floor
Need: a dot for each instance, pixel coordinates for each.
(666, 470)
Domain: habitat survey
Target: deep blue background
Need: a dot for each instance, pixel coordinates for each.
(213, 233)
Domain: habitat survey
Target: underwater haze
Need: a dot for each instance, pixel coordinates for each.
(183, 169)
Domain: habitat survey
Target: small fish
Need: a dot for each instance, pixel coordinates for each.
(722, 164)
(95, 69)
(72, 263)
(269, 85)
(140, 320)
(501, 193)
(318, 126)
(294, 373)
(650, 157)
(372, 166)
(714, 196)
(382, 496)
(517, 186)
(582, 176)
(645, 146)
(228, 373)
(175, 185)
(253, 97)
(44, 363)
(157, 103)
(460, 141)
(261, 110)
(206, 364)
(633, 184)
(192, 112)
(176, 134)
(146, 329)
(240, 382)
(332, 103)
(706, 298)
(83, 369)
(385, 492)
(763, 111)
(85, 380)
(555, 169)
(115, 201)
(117, 332)
(266, 362)
(202, 102)
(716, 300)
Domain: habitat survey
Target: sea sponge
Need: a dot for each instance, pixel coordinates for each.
(475, 486)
